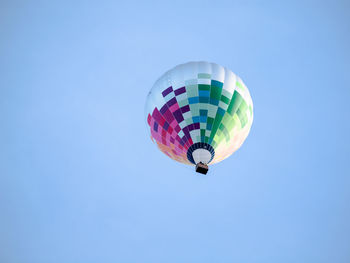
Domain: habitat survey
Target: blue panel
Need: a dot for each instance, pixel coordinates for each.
(195, 119)
(204, 93)
(193, 100)
(216, 83)
(203, 112)
(203, 119)
(221, 111)
(214, 101)
(204, 99)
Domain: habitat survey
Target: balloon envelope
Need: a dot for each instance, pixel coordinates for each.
(199, 112)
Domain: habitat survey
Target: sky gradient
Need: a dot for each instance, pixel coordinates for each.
(80, 180)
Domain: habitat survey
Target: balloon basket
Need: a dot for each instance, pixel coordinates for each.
(202, 168)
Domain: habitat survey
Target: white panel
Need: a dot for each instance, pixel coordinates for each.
(194, 133)
(181, 97)
(181, 134)
(204, 67)
(201, 155)
(223, 105)
(182, 124)
(158, 99)
(177, 77)
(190, 70)
(229, 82)
(218, 72)
(204, 81)
(212, 109)
(187, 115)
(169, 96)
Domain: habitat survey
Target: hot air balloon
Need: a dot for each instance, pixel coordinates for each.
(199, 113)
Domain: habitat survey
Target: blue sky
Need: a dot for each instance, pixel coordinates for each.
(80, 181)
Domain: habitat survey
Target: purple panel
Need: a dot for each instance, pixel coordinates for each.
(186, 129)
(177, 129)
(180, 91)
(196, 125)
(178, 116)
(163, 109)
(185, 108)
(166, 126)
(171, 102)
(167, 91)
(155, 127)
(172, 140)
(156, 115)
(168, 116)
(185, 138)
(191, 127)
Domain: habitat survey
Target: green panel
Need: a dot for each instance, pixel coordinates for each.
(243, 106)
(225, 99)
(242, 113)
(239, 85)
(226, 120)
(226, 94)
(225, 132)
(203, 87)
(218, 138)
(216, 124)
(235, 103)
(215, 92)
(231, 123)
(210, 120)
(236, 121)
(244, 120)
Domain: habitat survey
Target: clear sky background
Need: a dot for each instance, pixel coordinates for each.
(80, 181)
